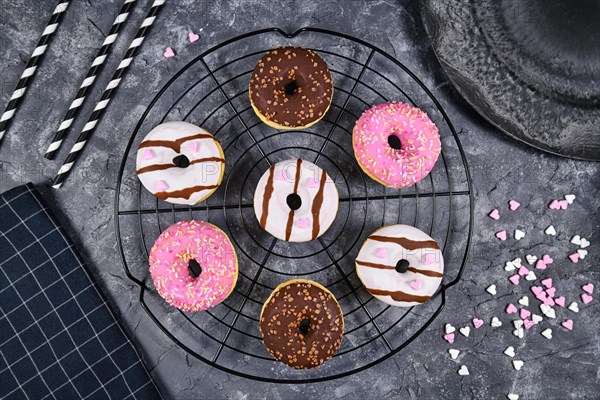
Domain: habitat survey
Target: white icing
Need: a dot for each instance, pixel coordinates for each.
(208, 173)
(389, 279)
(279, 211)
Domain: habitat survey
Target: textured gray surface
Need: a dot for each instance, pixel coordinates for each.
(564, 367)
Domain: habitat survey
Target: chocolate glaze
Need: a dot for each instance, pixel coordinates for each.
(267, 197)
(399, 295)
(174, 145)
(425, 272)
(290, 221)
(408, 244)
(281, 324)
(183, 193)
(316, 207)
(160, 167)
(291, 86)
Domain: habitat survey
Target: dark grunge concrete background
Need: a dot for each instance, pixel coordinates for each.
(565, 367)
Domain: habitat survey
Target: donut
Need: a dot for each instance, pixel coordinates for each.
(400, 265)
(302, 324)
(193, 265)
(395, 144)
(295, 201)
(290, 88)
(180, 163)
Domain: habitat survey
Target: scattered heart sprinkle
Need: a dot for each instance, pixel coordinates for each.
(569, 198)
(514, 279)
(496, 323)
(454, 353)
(582, 253)
(568, 324)
(491, 289)
(588, 288)
(512, 396)
(584, 243)
(511, 309)
(449, 328)
(574, 307)
(169, 53)
(465, 331)
(576, 240)
(574, 258)
(560, 301)
(513, 205)
(193, 37)
(530, 259)
(463, 371)
(547, 333)
(510, 351)
(536, 319)
(586, 298)
(449, 337)
(501, 235)
(530, 276)
(494, 214)
(477, 322)
(540, 264)
(524, 301)
(524, 313)
(547, 282)
(554, 205)
(517, 364)
(519, 234)
(550, 230)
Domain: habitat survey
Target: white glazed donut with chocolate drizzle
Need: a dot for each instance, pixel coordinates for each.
(400, 265)
(295, 201)
(180, 163)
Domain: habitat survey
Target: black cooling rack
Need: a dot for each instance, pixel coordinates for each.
(212, 91)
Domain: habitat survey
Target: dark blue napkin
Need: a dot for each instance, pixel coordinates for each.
(58, 337)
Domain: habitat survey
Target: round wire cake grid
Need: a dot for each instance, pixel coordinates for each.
(212, 91)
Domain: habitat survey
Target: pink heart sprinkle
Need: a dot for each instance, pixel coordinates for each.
(192, 146)
(542, 296)
(560, 301)
(169, 53)
(148, 154)
(161, 186)
(511, 309)
(586, 298)
(381, 252)
(525, 313)
(563, 204)
(449, 337)
(551, 292)
(549, 301)
(302, 223)
(588, 288)
(513, 204)
(537, 290)
(547, 259)
(416, 284)
(428, 259)
(495, 214)
(528, 324)
(193, 37)
(547, 282)
(281, 176)
(514, 279)
(568, 324)
(501, 235)
(523, 271)
(312, 183)
(540, 264)
(477, 323)
(554, 205)
(574, 258)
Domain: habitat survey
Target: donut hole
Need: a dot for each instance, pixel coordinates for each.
(181, 161)
(293, 201)
(291, 88)
(194, 268)
(394, 142)
(304, 325)
(402, 266)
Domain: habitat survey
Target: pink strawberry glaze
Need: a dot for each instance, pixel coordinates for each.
(211, 248)
(419, 137)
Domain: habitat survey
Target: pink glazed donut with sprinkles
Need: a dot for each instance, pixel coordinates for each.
(395, 144)
(193, 265)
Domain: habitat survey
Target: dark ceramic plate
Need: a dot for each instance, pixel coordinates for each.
(532, 68)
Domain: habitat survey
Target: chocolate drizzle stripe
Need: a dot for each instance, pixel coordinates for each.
(175, 145)
(408, 244)
(425, 272)
(316, 207)
(290, 221)
(267, 197)
(160, 167)
(183, 193)
(399, 295)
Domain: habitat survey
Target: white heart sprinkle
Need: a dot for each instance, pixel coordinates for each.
(550, 230)
(512, 396)
(547, 311)
(574, 307)
(536, 318)
(524, 301)
(449, 328)
(454, 353)
(584, 243)
(518, 323)
(510, 351)
(465, 331)
(531, 259)
(496, 323)
(519, 234)
(517, 364)
(530, 276)
(491, 289)
(582, 253)
(517, 262)
(569, 198)
(509, 266)
(547, 333)
(576, 240)
(520, 333)
(463, 370)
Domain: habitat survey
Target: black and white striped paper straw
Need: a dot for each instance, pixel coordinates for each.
(88, 129)
(90, 77)
(34, 61)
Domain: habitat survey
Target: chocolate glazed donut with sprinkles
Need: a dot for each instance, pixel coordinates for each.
(291, 88)
(302, 324)
(400, 265)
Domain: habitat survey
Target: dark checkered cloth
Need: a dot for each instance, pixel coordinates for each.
(58, 338)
